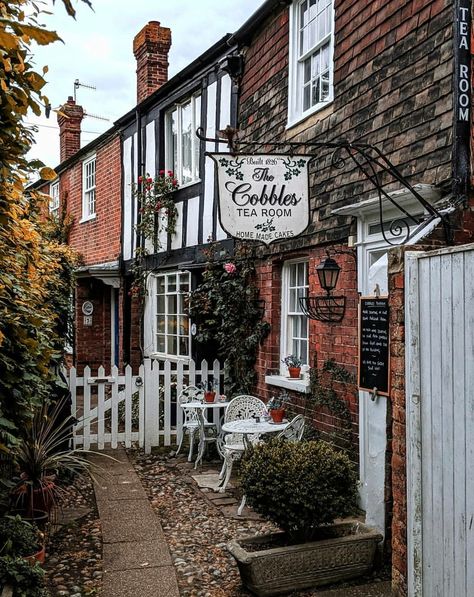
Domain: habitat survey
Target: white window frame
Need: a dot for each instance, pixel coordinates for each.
(285, 348)
(282, 380)
(177, 168)
(154, 314)
(89, 198)
(296, 66)
(54, 201)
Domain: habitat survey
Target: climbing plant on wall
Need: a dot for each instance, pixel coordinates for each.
(228, 314)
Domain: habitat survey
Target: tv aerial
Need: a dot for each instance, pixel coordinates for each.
(78, 84)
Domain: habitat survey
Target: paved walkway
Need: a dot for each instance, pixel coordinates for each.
(136, 558)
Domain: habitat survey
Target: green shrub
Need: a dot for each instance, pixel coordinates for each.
(26, 580)
(18, 537)
(299, 486)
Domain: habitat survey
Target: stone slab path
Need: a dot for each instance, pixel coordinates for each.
(136, 557)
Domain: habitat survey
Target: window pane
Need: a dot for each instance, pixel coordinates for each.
(184, 326)
(172, 283)
(172, 304)
(160, 343)
(160, 304)
(173, 141)
(160, 324)
(292, 307)
(304, 327)
(301, 274)
(172, 345)
(307, 97)
(160, 285)
(186, 143)
(196, 142)
(307, 70)
(184, 283)
(183, 346)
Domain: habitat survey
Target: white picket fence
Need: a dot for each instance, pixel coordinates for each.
(139, 407)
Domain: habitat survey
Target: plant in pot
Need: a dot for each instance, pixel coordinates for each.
(210, 391)
(20, 538)
(293, 363)
(302, 488)
(24, 579)
(276, 406)
(40, 457)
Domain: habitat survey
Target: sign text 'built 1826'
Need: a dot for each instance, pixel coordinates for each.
(263, 197)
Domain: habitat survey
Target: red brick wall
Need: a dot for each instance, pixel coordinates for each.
(393, 88)
(97, 240)
(328, 341)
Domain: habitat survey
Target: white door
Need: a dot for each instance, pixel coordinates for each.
(440, 421)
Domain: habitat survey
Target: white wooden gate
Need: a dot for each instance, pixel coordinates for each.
(440, 421)
(140, 407)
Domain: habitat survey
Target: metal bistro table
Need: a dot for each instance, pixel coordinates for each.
(203, 405)
(252, 427)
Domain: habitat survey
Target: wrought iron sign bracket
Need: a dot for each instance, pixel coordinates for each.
(367, 158)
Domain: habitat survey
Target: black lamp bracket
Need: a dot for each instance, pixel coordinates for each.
(368, 159)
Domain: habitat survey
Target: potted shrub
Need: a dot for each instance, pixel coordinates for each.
(40, 457)
(20, 538)
(301, 487)
(276, 406)
(210, 391)
(24, 579)
(293, 364)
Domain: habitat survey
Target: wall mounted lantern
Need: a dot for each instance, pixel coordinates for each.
(325, 308)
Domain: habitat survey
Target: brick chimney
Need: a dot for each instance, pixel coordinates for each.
(69, 121)
(150, 48)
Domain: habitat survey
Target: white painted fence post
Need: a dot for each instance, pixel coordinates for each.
(114, 409)
(87, 409)
(100, 410)
(179, 411)
(73, 390)
(167, 403)
(128, 406)
(141, 407)
(151, 413)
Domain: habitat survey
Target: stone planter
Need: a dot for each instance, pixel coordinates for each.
(346, 550)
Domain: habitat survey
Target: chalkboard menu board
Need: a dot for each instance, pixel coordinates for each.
(374, 345)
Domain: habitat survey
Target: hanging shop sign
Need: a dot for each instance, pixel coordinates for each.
(263, 197)
(374, 351)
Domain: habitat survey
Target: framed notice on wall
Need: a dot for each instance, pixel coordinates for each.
(374, 345)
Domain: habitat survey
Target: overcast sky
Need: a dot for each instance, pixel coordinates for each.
(97, 50)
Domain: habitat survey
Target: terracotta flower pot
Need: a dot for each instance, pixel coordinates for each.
(41, 498)
(294, 372)
(209, 396)
(39, 556)
(277, 414)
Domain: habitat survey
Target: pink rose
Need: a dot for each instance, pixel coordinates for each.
(230, 268)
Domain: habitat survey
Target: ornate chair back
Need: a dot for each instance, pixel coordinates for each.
(244, 407)
(294, 431)
(190, 394)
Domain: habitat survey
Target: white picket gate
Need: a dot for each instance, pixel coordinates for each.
(140, 407)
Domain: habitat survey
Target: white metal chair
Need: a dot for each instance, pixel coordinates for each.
(232, 447)
(294, 431)
(191, 424)
(207, 434)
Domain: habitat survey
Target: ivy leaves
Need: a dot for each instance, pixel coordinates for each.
(225, 306)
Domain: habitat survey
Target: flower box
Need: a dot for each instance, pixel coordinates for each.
(346, 550)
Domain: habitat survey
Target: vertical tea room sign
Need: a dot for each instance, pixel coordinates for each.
(263, 197)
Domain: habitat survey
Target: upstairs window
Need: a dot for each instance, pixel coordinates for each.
(311, 57)
(181, 143)
(54, 199)
(88, 189)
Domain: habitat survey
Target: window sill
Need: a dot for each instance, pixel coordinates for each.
(159, 356)
(296, 385)
(298, 118)
(87, 218)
